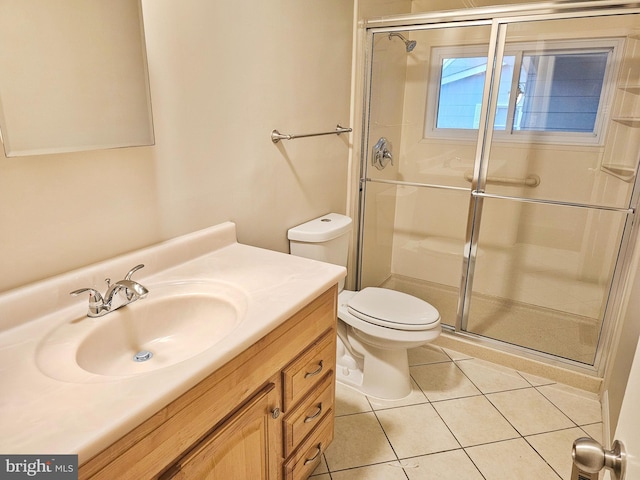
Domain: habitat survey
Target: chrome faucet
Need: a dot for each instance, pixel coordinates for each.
(99, 305)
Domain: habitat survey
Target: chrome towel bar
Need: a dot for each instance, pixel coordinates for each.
(276, 136)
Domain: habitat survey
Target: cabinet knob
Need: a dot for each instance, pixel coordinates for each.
(275, 413)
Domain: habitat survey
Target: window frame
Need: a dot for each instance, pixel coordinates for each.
(614, 45)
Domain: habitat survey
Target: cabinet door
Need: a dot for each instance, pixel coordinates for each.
(245, 446)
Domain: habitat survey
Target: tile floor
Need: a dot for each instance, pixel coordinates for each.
(465, 419)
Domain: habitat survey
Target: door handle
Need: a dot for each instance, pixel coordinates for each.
(589, 457)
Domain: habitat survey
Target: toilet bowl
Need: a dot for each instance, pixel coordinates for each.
(376, 326)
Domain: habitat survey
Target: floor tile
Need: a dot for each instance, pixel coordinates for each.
(536, 381)
(474, 420)
(529, 411)
(383, 471)
(350, 401)
(579, 406)
(456, 355)
(416, 396)
(510, 460)
(464, 402)
(452, 465)
(595, 431)
(358, 440)
(491, 378)
(416, 430)
(322, 468)
(427, 354)
(555, 448)
(443, 381)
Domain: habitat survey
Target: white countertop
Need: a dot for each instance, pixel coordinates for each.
(40, 414)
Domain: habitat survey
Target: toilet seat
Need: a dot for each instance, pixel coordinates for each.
(392, 309)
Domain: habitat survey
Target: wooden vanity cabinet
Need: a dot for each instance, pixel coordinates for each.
(245, 446)
(266, 414)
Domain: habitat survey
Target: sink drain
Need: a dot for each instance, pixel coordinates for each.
(142, 356)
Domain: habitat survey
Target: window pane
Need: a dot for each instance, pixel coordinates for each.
(461, 88)
(561, 92)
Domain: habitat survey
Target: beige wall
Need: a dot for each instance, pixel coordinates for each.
(223, 75)
(440, 5)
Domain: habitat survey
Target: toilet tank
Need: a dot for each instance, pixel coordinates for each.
(325, 239)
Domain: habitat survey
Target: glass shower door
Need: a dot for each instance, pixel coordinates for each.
(414, 208)
(554, 195)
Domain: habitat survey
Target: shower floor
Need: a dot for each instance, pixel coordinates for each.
(558, 333)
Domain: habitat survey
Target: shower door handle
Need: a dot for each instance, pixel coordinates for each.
(382, 154)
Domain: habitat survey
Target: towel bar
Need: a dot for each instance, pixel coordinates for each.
(276, 136)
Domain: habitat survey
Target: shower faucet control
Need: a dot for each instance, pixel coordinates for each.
(382, 154)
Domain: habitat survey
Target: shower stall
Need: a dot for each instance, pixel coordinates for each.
(499, 171)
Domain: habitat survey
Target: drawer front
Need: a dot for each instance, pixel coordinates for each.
(304, 373)
(308, 456)
(308, 415)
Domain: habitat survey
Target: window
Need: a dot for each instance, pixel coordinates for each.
(555, 94)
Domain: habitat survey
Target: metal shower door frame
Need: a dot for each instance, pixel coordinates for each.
(500, 18)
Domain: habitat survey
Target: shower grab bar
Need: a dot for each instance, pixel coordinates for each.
(276, 136)
(530, 181)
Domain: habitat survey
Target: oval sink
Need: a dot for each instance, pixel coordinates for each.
(172, 324)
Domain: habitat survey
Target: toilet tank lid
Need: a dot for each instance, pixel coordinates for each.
(321, 229)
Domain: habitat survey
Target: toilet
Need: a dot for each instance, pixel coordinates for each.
(376, 326)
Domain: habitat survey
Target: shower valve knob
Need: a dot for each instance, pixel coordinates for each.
(382, 154)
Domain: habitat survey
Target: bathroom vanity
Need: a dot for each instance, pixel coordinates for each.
(251, 398)
(270, 408)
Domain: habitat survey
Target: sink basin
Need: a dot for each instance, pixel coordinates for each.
(172, 324)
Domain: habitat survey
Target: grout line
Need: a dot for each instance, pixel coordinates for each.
(544, 459)
(497, 391)
(474, 464)
(522, 374)
(372, 465)
(557, 407)
(388, 440)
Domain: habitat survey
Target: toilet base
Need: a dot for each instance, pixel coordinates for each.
(380, 373)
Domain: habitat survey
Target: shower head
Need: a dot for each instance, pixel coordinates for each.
(409, 44)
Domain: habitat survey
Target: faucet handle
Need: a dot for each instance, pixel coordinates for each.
(96, 303)
(132, 271)
(92, 293)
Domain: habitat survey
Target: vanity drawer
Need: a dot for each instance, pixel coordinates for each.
(298, 423)
(301, 375)
(307, 458)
